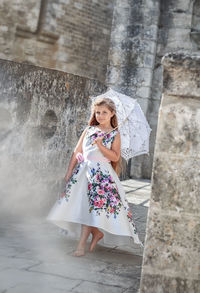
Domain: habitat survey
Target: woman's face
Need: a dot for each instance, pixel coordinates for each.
(103, 115)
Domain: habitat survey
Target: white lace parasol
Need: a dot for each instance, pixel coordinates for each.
(133, 126)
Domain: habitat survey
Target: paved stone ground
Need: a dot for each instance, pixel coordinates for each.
(35, 256)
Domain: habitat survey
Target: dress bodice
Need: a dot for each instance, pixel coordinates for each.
(91, 152)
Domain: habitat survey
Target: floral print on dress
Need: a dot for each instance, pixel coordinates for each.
(131, 220)
(103, 194)
(130, 215)
(98, 133)
(72, 181)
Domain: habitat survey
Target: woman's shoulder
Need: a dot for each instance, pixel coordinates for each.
(89, 128)
(115, 131)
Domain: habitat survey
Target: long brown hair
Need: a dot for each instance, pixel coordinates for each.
(117, 166)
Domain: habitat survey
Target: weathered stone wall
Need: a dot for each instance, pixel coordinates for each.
(42, 114)
(131, 59)
(142, 32)
(171, 261)
(174, 34)
(72, 36)
(195, 29)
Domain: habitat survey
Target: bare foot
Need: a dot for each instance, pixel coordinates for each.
(79, 252)
(96, 237)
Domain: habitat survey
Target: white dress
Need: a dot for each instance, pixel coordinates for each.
(95, 197)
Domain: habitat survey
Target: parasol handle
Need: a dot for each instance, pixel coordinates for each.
(113, 129)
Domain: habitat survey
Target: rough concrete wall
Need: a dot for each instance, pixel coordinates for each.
(171, 261)
(42, 114)
(195, 29)
(131, 59)
(174, 34)
(67, 35)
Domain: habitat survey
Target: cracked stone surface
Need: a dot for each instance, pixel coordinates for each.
(36, 256)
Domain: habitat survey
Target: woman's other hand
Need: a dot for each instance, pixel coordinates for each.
(99, 140)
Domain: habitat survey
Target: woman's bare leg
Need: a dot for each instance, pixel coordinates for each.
(85, 232)
(96, 236)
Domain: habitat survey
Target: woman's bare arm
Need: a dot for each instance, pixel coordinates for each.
(112, 154)
(73, 160)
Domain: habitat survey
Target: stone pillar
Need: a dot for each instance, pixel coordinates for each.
(132, 56)
(171, 262)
